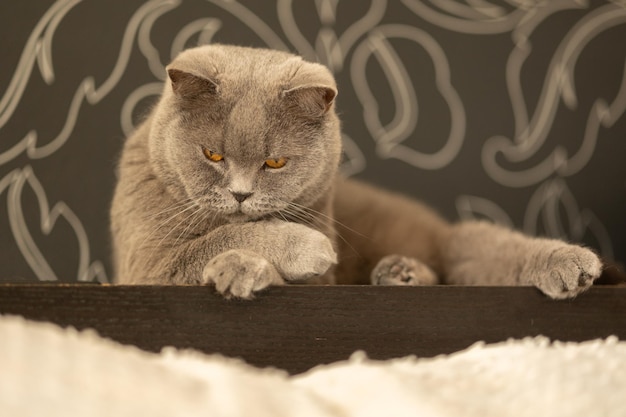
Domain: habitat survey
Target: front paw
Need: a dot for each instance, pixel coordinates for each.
(307, 253)
(239, 273)
(401, 270)
(566, 270)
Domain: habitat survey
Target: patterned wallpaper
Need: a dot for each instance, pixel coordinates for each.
(510, 110)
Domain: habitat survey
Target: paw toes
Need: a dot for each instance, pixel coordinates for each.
(572, 269)
(401, 270)
(238, 274)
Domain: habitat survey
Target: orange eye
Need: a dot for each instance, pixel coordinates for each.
(275, 163)
(212, 156)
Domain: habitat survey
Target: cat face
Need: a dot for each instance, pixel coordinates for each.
(248, 134)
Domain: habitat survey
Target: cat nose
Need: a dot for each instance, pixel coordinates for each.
(240, 197)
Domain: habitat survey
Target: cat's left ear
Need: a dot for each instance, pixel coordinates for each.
(312, 100)
(311, 89)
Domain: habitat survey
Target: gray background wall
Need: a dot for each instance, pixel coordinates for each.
(509, 110)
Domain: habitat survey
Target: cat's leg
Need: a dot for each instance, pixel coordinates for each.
(239, 273)
(249, 257)
(481, 253)
(374, 223)
(402, 270)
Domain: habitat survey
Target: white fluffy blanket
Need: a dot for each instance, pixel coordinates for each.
(49, 371)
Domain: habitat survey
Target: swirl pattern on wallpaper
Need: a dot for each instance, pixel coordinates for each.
(389, 138)
(532, 133)
(541, 48)
(14, 184)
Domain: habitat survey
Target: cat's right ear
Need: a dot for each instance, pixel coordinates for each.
(190, 86)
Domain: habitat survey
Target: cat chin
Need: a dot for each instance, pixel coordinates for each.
(239, 217)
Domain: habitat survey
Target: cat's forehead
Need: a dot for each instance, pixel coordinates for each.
(249, 61)
(247, 125)
(238, 70)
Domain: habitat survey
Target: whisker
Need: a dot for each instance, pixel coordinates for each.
(305, 217)
(169, 219)
(309, 211)
(179, 223)
(283, 216)
(295, 212)
(196, 218)
(149, 258)
(298, 216)
(155, 247)
(177, 205)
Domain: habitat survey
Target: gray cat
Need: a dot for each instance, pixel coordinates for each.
(232, 181)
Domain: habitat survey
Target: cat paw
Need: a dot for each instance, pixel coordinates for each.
(239, 273)
(566, 271)
(307, 253)
(401, 270)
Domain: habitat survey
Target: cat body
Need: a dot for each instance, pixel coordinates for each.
(233, 181)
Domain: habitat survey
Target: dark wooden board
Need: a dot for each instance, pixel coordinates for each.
(298, 327)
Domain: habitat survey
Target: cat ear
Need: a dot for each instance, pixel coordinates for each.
(312, 101)
(190, 86)
(310, 88)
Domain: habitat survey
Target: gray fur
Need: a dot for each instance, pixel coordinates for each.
(178, 217)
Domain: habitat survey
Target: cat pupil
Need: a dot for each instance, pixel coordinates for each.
(276, 163)
(213, 156)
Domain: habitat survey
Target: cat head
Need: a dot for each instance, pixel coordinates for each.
(246, 132)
